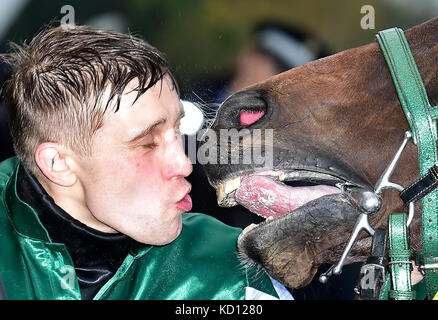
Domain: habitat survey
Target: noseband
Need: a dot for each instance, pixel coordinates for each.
(395, 282)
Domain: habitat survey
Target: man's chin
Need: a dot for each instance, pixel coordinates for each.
(175, 234)
(161, 238)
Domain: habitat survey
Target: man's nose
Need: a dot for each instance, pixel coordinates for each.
(177, 164)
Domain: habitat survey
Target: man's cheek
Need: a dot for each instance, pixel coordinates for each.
(124, 168)
(145, 165)
(130, 176)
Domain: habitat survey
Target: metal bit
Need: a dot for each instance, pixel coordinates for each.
(369, 206)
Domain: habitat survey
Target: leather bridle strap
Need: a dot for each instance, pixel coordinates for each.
(421, 187)
(421, 118)
(400, 255)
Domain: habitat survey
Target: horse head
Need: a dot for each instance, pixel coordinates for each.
(336, 123)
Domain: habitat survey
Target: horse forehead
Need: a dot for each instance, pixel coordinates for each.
(328, 72)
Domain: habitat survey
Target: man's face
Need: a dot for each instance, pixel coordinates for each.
(134, 181)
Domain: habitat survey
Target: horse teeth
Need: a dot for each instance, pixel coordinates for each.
(224, 189)
(232, 185)
(270, 218)
(250, 227)
(246, 230)
(282, 176)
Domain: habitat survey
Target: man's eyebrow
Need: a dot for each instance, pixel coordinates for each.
(147, 130)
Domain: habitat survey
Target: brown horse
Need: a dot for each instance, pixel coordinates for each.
(337, 123)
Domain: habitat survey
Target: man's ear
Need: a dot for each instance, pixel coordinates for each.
(55, 163)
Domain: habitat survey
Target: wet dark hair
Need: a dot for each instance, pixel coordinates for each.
(63, 82)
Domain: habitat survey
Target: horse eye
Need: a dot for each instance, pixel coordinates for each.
(249, 117)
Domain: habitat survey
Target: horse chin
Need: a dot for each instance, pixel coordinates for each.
(288, 243)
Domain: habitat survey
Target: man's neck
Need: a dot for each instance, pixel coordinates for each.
(72, 201)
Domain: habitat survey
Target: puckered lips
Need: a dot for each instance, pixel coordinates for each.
(185, 203)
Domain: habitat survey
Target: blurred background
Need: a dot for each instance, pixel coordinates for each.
(217, 47)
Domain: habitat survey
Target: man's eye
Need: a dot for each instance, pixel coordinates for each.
(150, 145)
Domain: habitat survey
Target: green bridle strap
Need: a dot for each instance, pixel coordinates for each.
(421, 118)
(400, 258)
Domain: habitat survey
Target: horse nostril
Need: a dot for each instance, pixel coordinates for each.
(249, 117)
(244, 109)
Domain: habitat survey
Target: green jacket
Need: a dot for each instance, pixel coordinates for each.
(200, 264)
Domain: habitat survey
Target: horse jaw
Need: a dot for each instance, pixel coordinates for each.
(287, 246)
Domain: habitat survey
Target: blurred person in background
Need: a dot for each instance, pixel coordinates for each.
(275, 48)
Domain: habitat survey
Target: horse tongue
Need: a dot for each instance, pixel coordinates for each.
(267, 197)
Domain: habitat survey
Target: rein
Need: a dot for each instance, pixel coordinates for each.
(380, 278)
